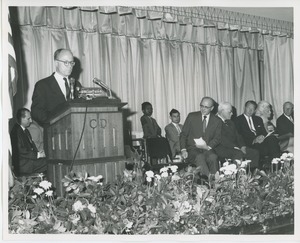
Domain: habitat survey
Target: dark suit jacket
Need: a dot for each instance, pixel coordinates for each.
(22, 151)
(150, 127)
(173, 137)
(230, 137)
(284, 125)
(47, 97)
(244, 130)
(192, 128)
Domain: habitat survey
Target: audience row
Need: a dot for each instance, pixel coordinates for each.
(205, 137)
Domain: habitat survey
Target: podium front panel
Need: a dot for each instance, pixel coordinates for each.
(102, 136)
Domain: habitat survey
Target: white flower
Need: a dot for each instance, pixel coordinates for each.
(231, 167)
(175, 178)
(186, 204)
(149, 179)
(78, 206)
(228, 172)
(209, 199)
(95, 178)
(275, 161)
(74, 218)
(49, 193)
(242, 169)
(164, 169)
(92, 208)
(177, 217)
(45, 184)
(38, 191)
(150, 173)
(41, 175)
(284, 156)
(164, 174)
(244, 164)
(238, 162)
(158, 177)
(226, 164)
(290, 155)
(174, 168)
(222, 169)
(34, 196)
(129, 225)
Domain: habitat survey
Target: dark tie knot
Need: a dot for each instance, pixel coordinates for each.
(204, 117)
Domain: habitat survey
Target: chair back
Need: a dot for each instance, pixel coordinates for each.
(159, 148)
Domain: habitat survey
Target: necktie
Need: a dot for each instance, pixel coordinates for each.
(178, 129)
(251, 126)
(30, 140)
(204, 124)
(67, 89)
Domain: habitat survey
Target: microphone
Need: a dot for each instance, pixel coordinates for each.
(72, 84)
(103, 85)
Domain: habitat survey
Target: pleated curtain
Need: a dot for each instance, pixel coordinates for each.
(169, 56)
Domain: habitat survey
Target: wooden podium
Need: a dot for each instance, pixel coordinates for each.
(93, 130)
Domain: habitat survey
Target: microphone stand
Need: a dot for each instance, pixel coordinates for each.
(103, 85)
(72, 83)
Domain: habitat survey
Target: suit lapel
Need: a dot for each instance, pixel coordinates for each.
(174, 129)
(55, 87)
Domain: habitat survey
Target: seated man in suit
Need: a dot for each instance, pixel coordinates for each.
(205, 127)
(25, 155)
(173, 131)
(252, 129)
(150, 127)
(53, 91)
(285, 128)
(232, 145)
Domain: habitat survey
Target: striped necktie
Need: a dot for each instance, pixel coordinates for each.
(178, 129)
(251, 126)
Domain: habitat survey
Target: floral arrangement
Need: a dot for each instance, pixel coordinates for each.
(144, 202)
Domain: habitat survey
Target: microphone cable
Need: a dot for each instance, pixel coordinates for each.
(84, 121)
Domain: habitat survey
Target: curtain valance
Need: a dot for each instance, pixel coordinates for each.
(201, 25)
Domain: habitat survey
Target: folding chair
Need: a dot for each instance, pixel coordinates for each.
(158, 151)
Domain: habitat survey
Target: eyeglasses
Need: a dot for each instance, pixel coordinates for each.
(66, 63)
(206, 107)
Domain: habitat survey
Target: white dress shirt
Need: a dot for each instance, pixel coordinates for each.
(61, 82)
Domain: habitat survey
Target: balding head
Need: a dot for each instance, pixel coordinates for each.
(206, 105)
(225, 110)
(288, 108)
(64, 62)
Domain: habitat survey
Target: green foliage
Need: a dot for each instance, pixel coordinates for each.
(146, 203)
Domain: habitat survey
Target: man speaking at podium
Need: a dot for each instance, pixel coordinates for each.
(51, 92)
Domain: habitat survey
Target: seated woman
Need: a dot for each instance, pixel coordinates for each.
(264, 111)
